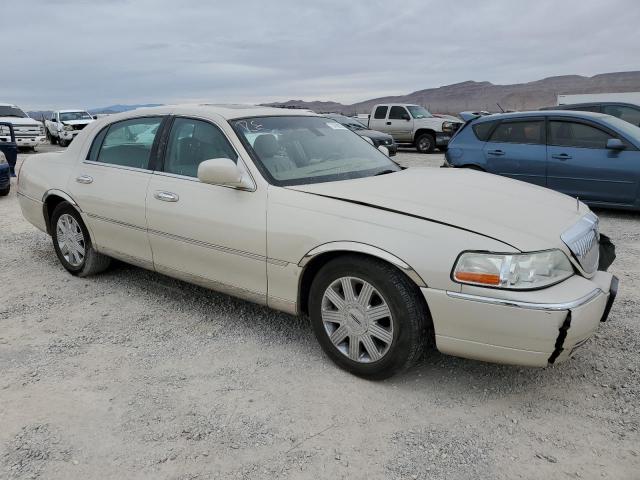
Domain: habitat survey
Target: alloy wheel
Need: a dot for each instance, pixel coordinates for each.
(357, 319)
(71, 240)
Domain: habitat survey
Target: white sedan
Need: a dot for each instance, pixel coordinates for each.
(292, 210)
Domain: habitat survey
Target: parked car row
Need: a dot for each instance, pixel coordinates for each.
(590, 156)
(294, 211)
(29, 133)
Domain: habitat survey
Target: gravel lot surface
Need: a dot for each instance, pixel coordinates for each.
(131, 374)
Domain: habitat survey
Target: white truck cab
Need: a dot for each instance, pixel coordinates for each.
(29, 132)
(413, 124)
(63, 125)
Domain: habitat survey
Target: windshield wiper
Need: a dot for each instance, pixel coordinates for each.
(384, 172)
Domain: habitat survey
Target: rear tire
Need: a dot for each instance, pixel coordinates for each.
(396, 341)
(425, 143)
(72, 243)
(5, 191)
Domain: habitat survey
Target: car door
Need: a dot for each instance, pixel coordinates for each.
(400, 124)
(580, 165)
(516, 149)
(378, 121)
(213, 235)
(110, 187)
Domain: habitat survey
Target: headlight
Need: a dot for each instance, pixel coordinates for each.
(3, 160)
(68, 127)
(4, 130)
(447, 127)
(513, 271)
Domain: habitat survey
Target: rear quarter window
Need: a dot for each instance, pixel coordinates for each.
(482, 130)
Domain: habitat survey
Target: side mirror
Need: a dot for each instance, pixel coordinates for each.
(384, 150)
(222, 171)
(406, 116)
(615, 144)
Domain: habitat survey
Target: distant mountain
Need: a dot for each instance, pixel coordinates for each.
(473, 95)
(38, 114)
(122, 108)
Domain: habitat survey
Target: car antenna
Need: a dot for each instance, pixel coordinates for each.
(501, 109)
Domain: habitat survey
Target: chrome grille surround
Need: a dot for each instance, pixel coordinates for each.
(583, 239)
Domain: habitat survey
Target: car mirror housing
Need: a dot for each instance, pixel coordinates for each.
(615, 144)
(223, 171)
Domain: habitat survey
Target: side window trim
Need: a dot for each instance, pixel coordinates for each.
(542, 119)
(166, 137)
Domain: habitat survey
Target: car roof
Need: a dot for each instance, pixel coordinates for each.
(228, 112)
(540, 113)
(72, 110)
(586, 104)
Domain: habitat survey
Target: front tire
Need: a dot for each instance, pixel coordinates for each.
(5, 191)
(63, 143)
(425, 143)
(368, 317)
(72, 243)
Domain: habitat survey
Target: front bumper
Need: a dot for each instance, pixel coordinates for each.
(30, 141)
(5, 176)
(442, 138)
(68, 134)
(534, 328)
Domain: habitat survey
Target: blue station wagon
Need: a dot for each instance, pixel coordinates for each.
(592, 156)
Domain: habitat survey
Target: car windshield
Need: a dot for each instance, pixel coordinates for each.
(419, 112)
(297, 150)
(6, 111)
(627, 129)
(67, 116)
(350, 123)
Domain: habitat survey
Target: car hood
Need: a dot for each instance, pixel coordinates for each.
(20, 121)
(77, 122)
(523, 216)
(374, 134)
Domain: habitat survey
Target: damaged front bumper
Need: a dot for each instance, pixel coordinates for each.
(534, 328)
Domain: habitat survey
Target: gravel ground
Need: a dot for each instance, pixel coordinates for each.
(131, 374)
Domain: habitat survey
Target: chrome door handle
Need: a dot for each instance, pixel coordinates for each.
(495, 152)
(166, 196)
(84, 179)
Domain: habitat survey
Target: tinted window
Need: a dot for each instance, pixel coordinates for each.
(129, 143)
(570, 134)
(519, 132)
(628, 114)
(192, 142)
(398, 113)
(587, 108)
(381, 112)
(482, 130)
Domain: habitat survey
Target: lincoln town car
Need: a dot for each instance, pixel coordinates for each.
(293, 210)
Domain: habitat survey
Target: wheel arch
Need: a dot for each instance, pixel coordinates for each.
(50, 200)
(422, 130)
(316, 258)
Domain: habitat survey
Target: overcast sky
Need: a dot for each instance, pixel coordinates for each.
(90, 53)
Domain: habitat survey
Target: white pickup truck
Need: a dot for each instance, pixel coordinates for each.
(63, 125)
(413, 124)
(29, 132)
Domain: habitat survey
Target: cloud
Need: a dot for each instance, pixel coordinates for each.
(83, 53)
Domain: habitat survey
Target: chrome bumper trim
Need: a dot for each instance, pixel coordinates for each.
(530, 305)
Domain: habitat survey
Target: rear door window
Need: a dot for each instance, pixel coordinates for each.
(528, 132)
(381, 112)
(482, 130)
(579, 135)
(127, 143)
